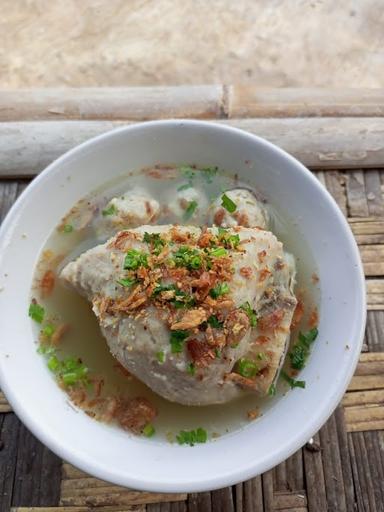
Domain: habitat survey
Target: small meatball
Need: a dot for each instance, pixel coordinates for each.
(188, 204)
(249, 211)
(134, 208)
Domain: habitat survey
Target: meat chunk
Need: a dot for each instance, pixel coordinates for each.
(134, 208)
(249, 212)
(187, 204)
(161, 290)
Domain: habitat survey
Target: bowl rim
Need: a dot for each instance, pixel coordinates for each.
(70, 453)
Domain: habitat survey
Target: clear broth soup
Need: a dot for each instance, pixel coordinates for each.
(79, 231)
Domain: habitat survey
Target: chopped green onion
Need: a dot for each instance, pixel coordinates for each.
(188, 172)
(70, 378)
(195, 262)
(262, 356)
(67, 228)
(217, 353)
(301, 349)
(53, 364)
(46, 350)
(228, 204)
(185, 186)
(180, 299)
(214, 322)
(155, 240)
(218, 290)
(190, 210)
(229, 241)
(209, 173)
(272, 390)
(48, 330)
(251, 313)
(184, 256)
(163, 288)
(160, 356)
(247, 368)
(110, 210)
(217, 253)
(135, 259)
(192, 437)
(127, 281)
(292, 382)
(149, 430)
(191, 369)
(177, 340)
(36, 312)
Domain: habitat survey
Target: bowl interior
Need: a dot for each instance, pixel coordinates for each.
(109, 453)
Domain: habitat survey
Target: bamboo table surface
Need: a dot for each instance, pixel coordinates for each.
(340, 136)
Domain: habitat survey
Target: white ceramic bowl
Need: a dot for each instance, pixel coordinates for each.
(110, 453)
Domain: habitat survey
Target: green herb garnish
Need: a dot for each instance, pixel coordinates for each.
(190, 210)
(247, 368)
(219, 252)
(292, 382)
(70, 371)
(53, 364)
(110, 210)
(229, 241)
(185, 186)
(160, 356)
(127, 281)
(187, 257)
(177, 340)
(301, 349)
(191, 369)
(251, 313)
(48, 330)
(214, 322)
(155, 240)
(149, 430)
(36, 312)
(135, 259)
(180, 298)
(188, 172)
(67, 228)
(192, 437)
(218, 290)
(208, 173)
(272, 390)
(228, 204)
(217, 353)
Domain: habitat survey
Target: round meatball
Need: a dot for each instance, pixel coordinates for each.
(132, 209)
(188, 204)
(249, 211)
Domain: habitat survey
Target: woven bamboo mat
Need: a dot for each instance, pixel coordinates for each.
(340, 134)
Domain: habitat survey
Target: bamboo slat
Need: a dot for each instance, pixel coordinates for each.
(289, 500)
(4, 405)
(112, 103)
(133, 508)
(368, 231)
(364, 401)
(187, 101)
(79, 489)
(108, 496)
(28, 147)
(250, 101)
(335, 183)
(374, 194)
(314, 474)
(357, 199)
